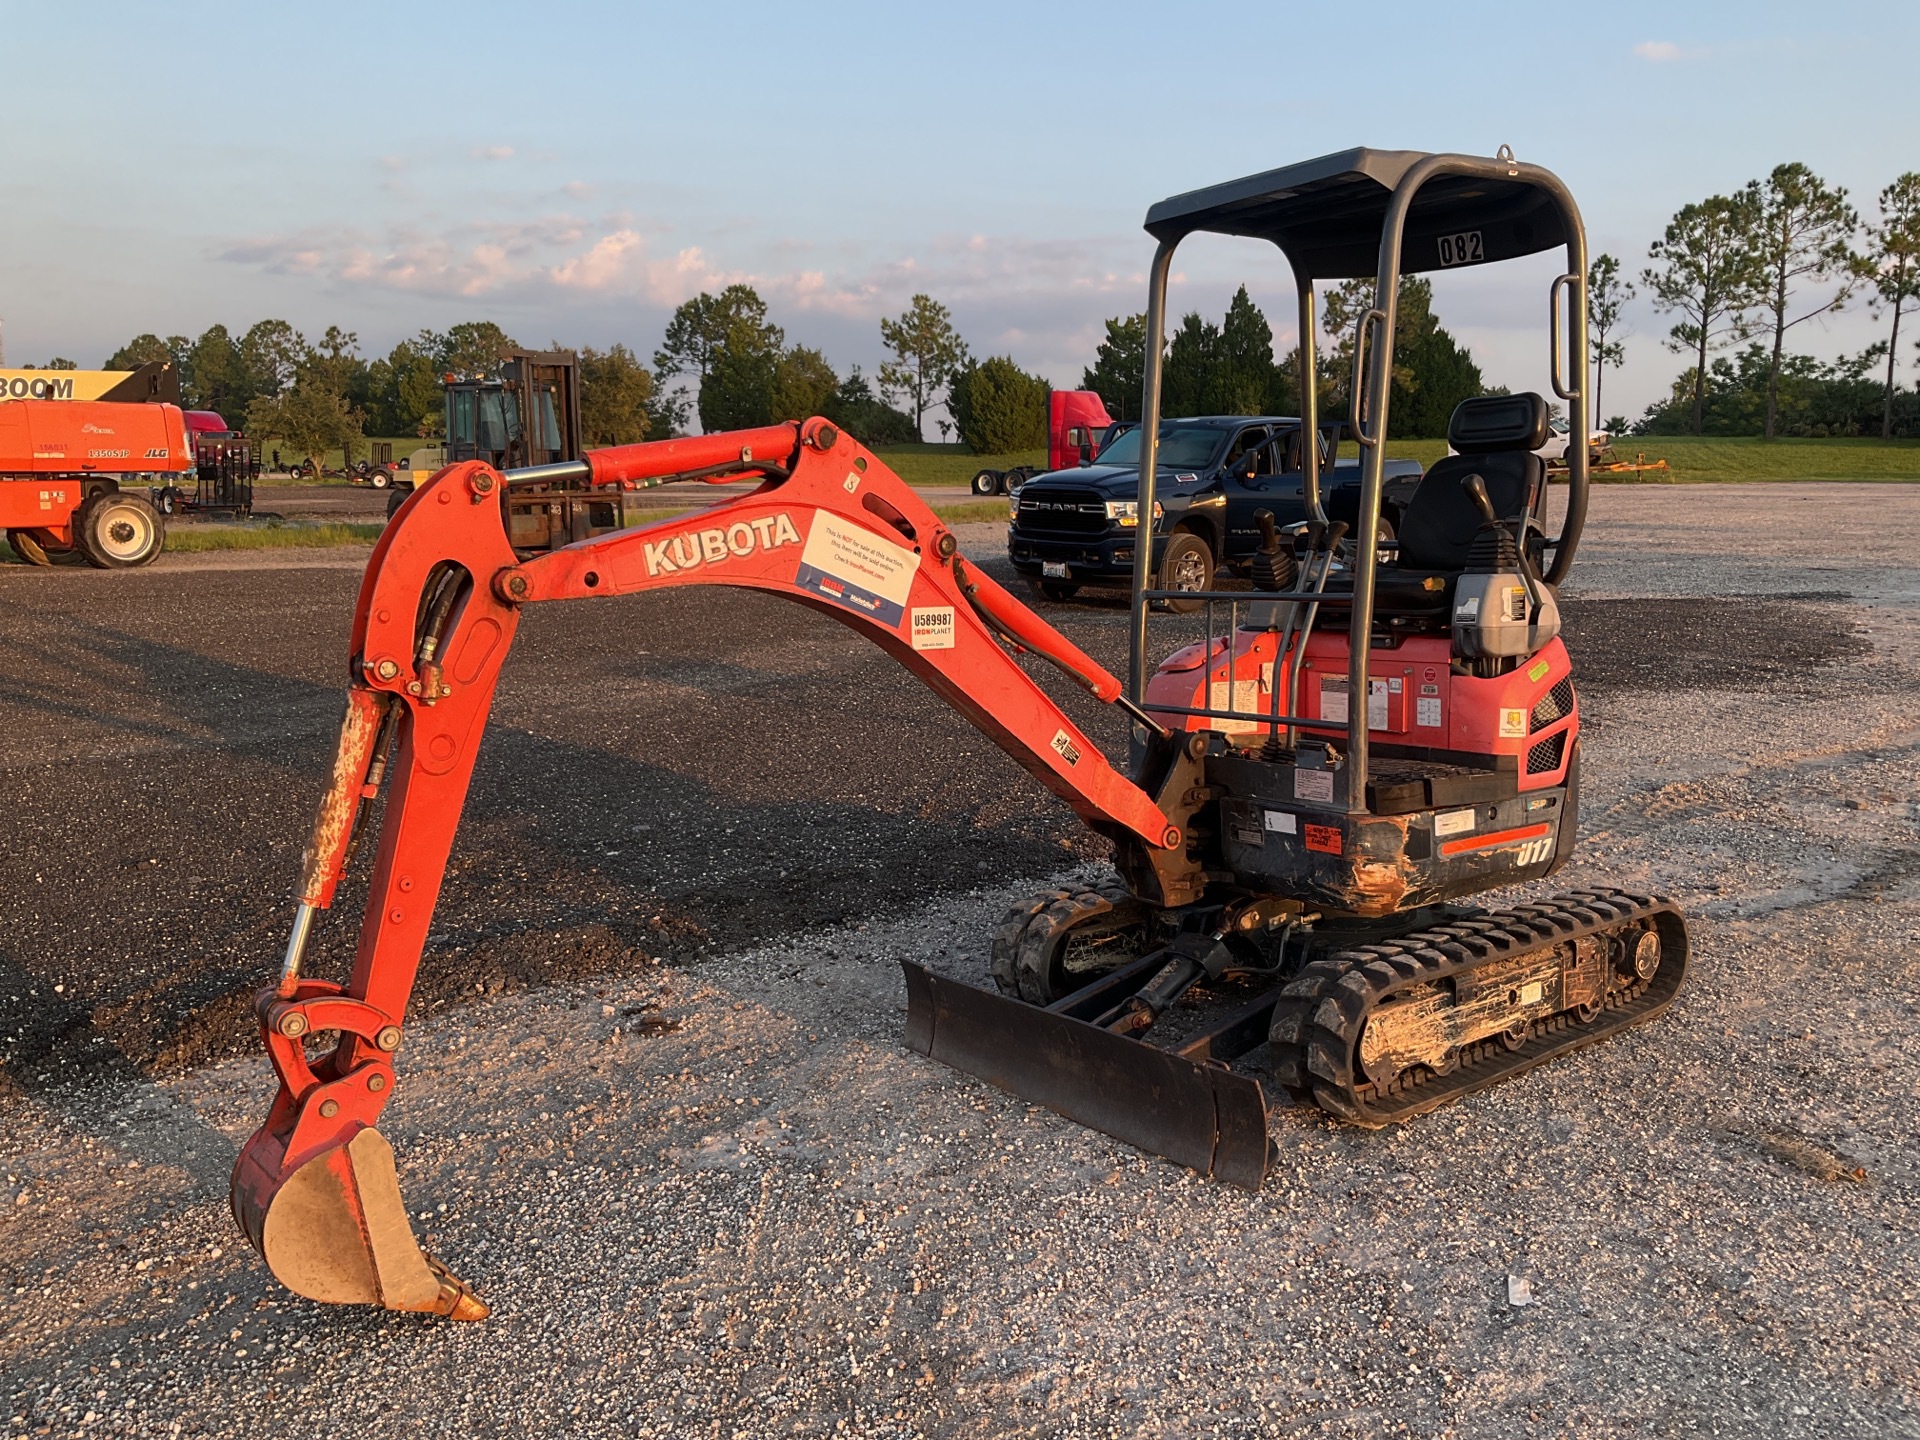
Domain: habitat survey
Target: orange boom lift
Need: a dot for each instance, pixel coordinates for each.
(62, 463)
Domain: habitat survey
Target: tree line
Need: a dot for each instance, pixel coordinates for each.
(724, 360)
(1230, 369)
(1747, 270)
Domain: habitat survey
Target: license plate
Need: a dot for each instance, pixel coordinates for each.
(1054, 569)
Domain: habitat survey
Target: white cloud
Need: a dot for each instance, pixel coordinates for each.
(492, 152)
(620, 257)
(1657, 51)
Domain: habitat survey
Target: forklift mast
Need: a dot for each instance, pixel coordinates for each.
(527, 421)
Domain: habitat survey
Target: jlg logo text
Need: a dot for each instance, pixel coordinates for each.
(707, 547)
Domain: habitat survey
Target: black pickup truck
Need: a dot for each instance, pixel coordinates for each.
(1216, 474)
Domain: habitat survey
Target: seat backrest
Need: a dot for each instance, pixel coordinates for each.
(1495, 435)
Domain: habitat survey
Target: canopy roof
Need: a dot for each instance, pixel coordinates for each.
(1327, 214)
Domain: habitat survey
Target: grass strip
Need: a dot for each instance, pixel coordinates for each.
(272, 535)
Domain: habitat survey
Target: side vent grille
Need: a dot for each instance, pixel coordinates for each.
(1556, 704)
(1544, 758)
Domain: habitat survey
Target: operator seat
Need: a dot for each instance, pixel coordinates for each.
(1495, 437)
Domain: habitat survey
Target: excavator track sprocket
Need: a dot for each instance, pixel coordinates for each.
(1051, 945)
(1385, 1032)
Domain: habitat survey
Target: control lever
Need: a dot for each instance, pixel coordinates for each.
(1272, 567)
(1476, 489)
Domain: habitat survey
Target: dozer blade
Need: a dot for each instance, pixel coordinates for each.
(1199, 1115)
(335, 1230)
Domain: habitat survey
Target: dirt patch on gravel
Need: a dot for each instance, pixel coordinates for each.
(1711, 642)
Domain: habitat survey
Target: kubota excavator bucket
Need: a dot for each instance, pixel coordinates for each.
(1195, 1112)
(335, 1229)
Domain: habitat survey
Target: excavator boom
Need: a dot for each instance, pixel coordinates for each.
(830, 527)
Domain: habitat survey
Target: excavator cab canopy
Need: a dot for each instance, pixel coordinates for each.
(1328, 215)
(1350, 215)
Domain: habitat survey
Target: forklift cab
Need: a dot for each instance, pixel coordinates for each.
(528, 416)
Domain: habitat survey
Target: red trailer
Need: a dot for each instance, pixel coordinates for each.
(62, 465)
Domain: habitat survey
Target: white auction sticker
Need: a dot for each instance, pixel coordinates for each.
(1281, 822)
(933, 627)
(1453, 822)
(857, 568)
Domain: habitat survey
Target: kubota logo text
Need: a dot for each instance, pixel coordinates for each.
(706, 547)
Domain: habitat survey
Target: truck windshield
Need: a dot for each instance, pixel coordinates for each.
(1182, 447)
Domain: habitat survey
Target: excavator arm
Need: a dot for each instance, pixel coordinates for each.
(829, 526)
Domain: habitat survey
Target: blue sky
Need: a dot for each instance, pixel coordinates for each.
(574, 171)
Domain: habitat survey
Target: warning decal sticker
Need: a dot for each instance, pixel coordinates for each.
(1324, 838)
(1313, 785)
(1513, 724)
(857, 568)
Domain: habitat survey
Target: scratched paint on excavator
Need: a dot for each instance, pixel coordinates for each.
(857, 568)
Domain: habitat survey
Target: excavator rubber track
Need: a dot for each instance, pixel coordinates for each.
(1320, 1024)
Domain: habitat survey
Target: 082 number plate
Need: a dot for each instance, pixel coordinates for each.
(1462, 248)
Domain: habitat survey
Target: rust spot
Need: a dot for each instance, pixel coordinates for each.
(333, 826)
(1382, 872)
(1380, 886)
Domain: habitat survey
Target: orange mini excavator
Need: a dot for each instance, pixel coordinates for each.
(1372, 733)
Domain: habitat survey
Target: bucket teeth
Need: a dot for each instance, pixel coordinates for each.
(336, 1230)
(457, 1300)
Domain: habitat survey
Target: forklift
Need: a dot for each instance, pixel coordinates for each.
(526, 420)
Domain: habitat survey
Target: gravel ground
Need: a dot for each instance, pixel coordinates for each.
(663, 1121)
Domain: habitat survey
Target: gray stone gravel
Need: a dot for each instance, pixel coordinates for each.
(717, 1198)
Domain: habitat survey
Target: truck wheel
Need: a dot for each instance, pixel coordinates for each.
(120, 531)
(988, 482)
(1386, 535)
(1057, 589)
(1186, 564)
